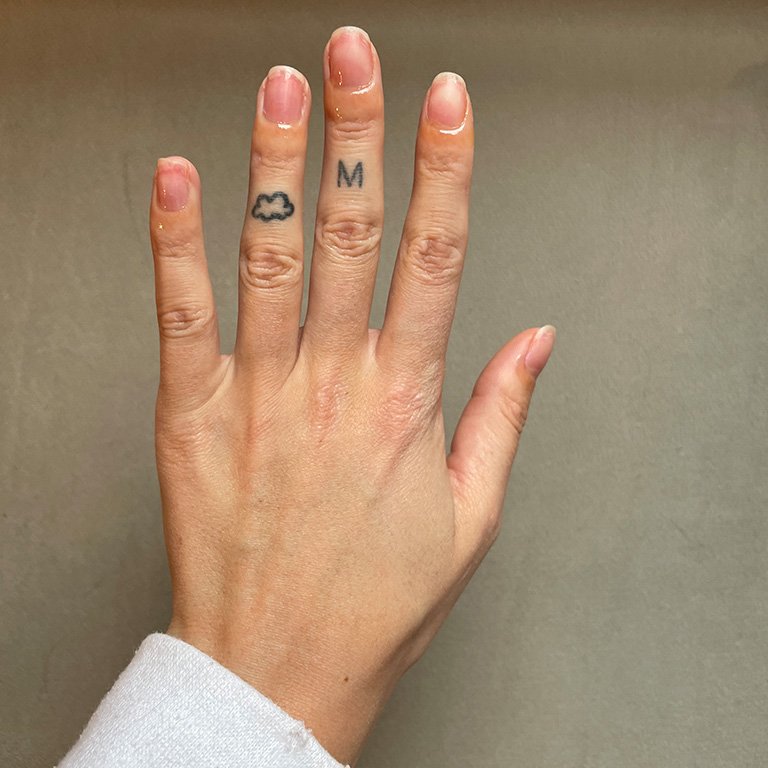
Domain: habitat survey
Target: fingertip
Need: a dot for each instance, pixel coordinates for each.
(178, 163)
(349, 29)
(173, 163)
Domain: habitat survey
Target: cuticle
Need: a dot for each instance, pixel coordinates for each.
(458, 129)
(365, 88)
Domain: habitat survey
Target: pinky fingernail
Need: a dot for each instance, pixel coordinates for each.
(540, 349)
(172, 184)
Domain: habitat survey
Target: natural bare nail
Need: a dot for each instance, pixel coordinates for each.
(172, 184)
(284, 95)
(350, 58)
(540, 349)
(447, 101)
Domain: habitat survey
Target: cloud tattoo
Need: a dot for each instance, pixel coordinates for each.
(270, 207)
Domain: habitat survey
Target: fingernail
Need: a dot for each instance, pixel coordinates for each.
(540, 349)
(284, 92)
(172, 183)
(350, 58)
(447, 101)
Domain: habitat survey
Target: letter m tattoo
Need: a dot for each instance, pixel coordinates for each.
(357, 175)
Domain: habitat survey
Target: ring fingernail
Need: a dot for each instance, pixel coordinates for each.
(447, 101)
(283, 96)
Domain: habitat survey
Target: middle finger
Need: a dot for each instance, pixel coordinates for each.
(350, 208)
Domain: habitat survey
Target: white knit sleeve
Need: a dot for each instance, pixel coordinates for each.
(173, 705)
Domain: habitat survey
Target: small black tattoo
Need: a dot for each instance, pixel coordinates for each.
(357, 174)
(265, 211)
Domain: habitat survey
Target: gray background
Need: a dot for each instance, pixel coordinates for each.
(620, 193)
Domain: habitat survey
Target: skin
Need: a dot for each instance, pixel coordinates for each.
(317, 532)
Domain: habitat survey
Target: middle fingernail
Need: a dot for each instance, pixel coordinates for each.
(350, 58)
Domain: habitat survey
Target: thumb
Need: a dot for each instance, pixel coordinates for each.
(487, 435)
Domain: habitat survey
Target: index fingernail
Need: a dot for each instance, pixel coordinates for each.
(447, 101)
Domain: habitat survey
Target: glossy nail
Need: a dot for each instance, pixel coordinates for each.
(284, 93)
(447, 101)
(540, 349)
(172, 183)
(350, 58)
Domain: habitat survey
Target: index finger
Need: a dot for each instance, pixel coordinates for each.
(422, 296)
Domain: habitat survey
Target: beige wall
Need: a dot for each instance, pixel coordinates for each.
(620, 192)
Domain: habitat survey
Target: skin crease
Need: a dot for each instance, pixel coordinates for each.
(317, 532)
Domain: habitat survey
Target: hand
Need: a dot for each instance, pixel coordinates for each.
(317, 532)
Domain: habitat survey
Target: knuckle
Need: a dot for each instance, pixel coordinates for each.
(513, 412)
(443, 166)
(349, 239)
(181, 322)
(176, 247)
(184, 435)
(435, 258)
(325, 407)
(268, 265)
(353, 130)
(405, 408)
(275, 163)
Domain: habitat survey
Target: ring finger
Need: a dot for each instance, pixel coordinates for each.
(271, 246)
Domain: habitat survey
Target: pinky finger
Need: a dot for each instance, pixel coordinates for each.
(186, 314)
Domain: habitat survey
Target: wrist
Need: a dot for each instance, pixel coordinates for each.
(337, 701)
